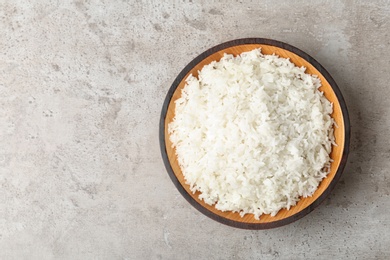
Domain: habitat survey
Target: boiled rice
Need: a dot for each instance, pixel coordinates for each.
(252, 133)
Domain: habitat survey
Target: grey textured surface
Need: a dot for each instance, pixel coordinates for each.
(81, 88)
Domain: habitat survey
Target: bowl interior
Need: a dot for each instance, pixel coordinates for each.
(336, 154)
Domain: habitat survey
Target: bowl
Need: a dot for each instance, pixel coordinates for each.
(341, 132)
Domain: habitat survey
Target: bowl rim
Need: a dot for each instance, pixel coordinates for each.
(303, 55)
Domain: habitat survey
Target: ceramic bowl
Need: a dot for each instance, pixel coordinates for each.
(339, 153)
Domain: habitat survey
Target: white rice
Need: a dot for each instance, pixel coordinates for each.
(252, 133)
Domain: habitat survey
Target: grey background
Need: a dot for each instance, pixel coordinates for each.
(81, 88)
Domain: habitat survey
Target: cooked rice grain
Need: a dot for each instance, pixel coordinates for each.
(252, 133)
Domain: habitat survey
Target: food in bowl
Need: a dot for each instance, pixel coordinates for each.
(252, 133)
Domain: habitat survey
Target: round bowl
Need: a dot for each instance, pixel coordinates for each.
(339, 153)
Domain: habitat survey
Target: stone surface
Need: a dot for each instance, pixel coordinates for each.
(81, 88)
